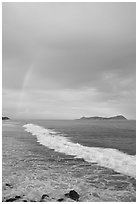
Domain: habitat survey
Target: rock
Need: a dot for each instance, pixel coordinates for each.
(43, 198)
(10, 200)
(7, 186)
(17, 197)
(60, 199)
(5, 118)
(13, 199)
(73, 195)
(67, 195)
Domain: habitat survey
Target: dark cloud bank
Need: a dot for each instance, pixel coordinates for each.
(65, 60)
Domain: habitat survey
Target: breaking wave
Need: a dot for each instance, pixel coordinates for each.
(106, 157)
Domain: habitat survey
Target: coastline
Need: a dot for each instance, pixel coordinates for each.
(31, 170)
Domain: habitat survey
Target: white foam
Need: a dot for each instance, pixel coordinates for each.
(106, 157)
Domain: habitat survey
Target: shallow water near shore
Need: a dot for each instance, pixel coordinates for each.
(30, 166)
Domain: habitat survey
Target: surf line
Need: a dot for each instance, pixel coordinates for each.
(106, 157)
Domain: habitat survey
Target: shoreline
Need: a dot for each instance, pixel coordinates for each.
(30, 171)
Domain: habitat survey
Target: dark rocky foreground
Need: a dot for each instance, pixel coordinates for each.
(36, 196)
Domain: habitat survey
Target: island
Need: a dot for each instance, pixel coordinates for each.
(118, 117)
(5, 118)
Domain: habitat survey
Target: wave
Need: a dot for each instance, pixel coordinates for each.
(106, 157)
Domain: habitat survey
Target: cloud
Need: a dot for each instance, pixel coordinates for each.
(66, 50)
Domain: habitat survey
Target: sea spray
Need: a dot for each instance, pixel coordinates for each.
(106, 157)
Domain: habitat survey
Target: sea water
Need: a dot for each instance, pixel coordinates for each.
(109, 143)
(100, 153)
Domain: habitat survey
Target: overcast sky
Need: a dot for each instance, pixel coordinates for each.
(67, 60)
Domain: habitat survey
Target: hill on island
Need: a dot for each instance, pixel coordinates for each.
(118, 117)
(5, 118)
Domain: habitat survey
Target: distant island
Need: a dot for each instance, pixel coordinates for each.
(5, 118)
(118, 117)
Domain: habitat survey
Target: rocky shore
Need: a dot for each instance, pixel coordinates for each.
(36, 196)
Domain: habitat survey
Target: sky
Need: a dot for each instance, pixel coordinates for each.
(68, 60)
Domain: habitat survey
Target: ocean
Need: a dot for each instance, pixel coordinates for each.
(95, 158)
